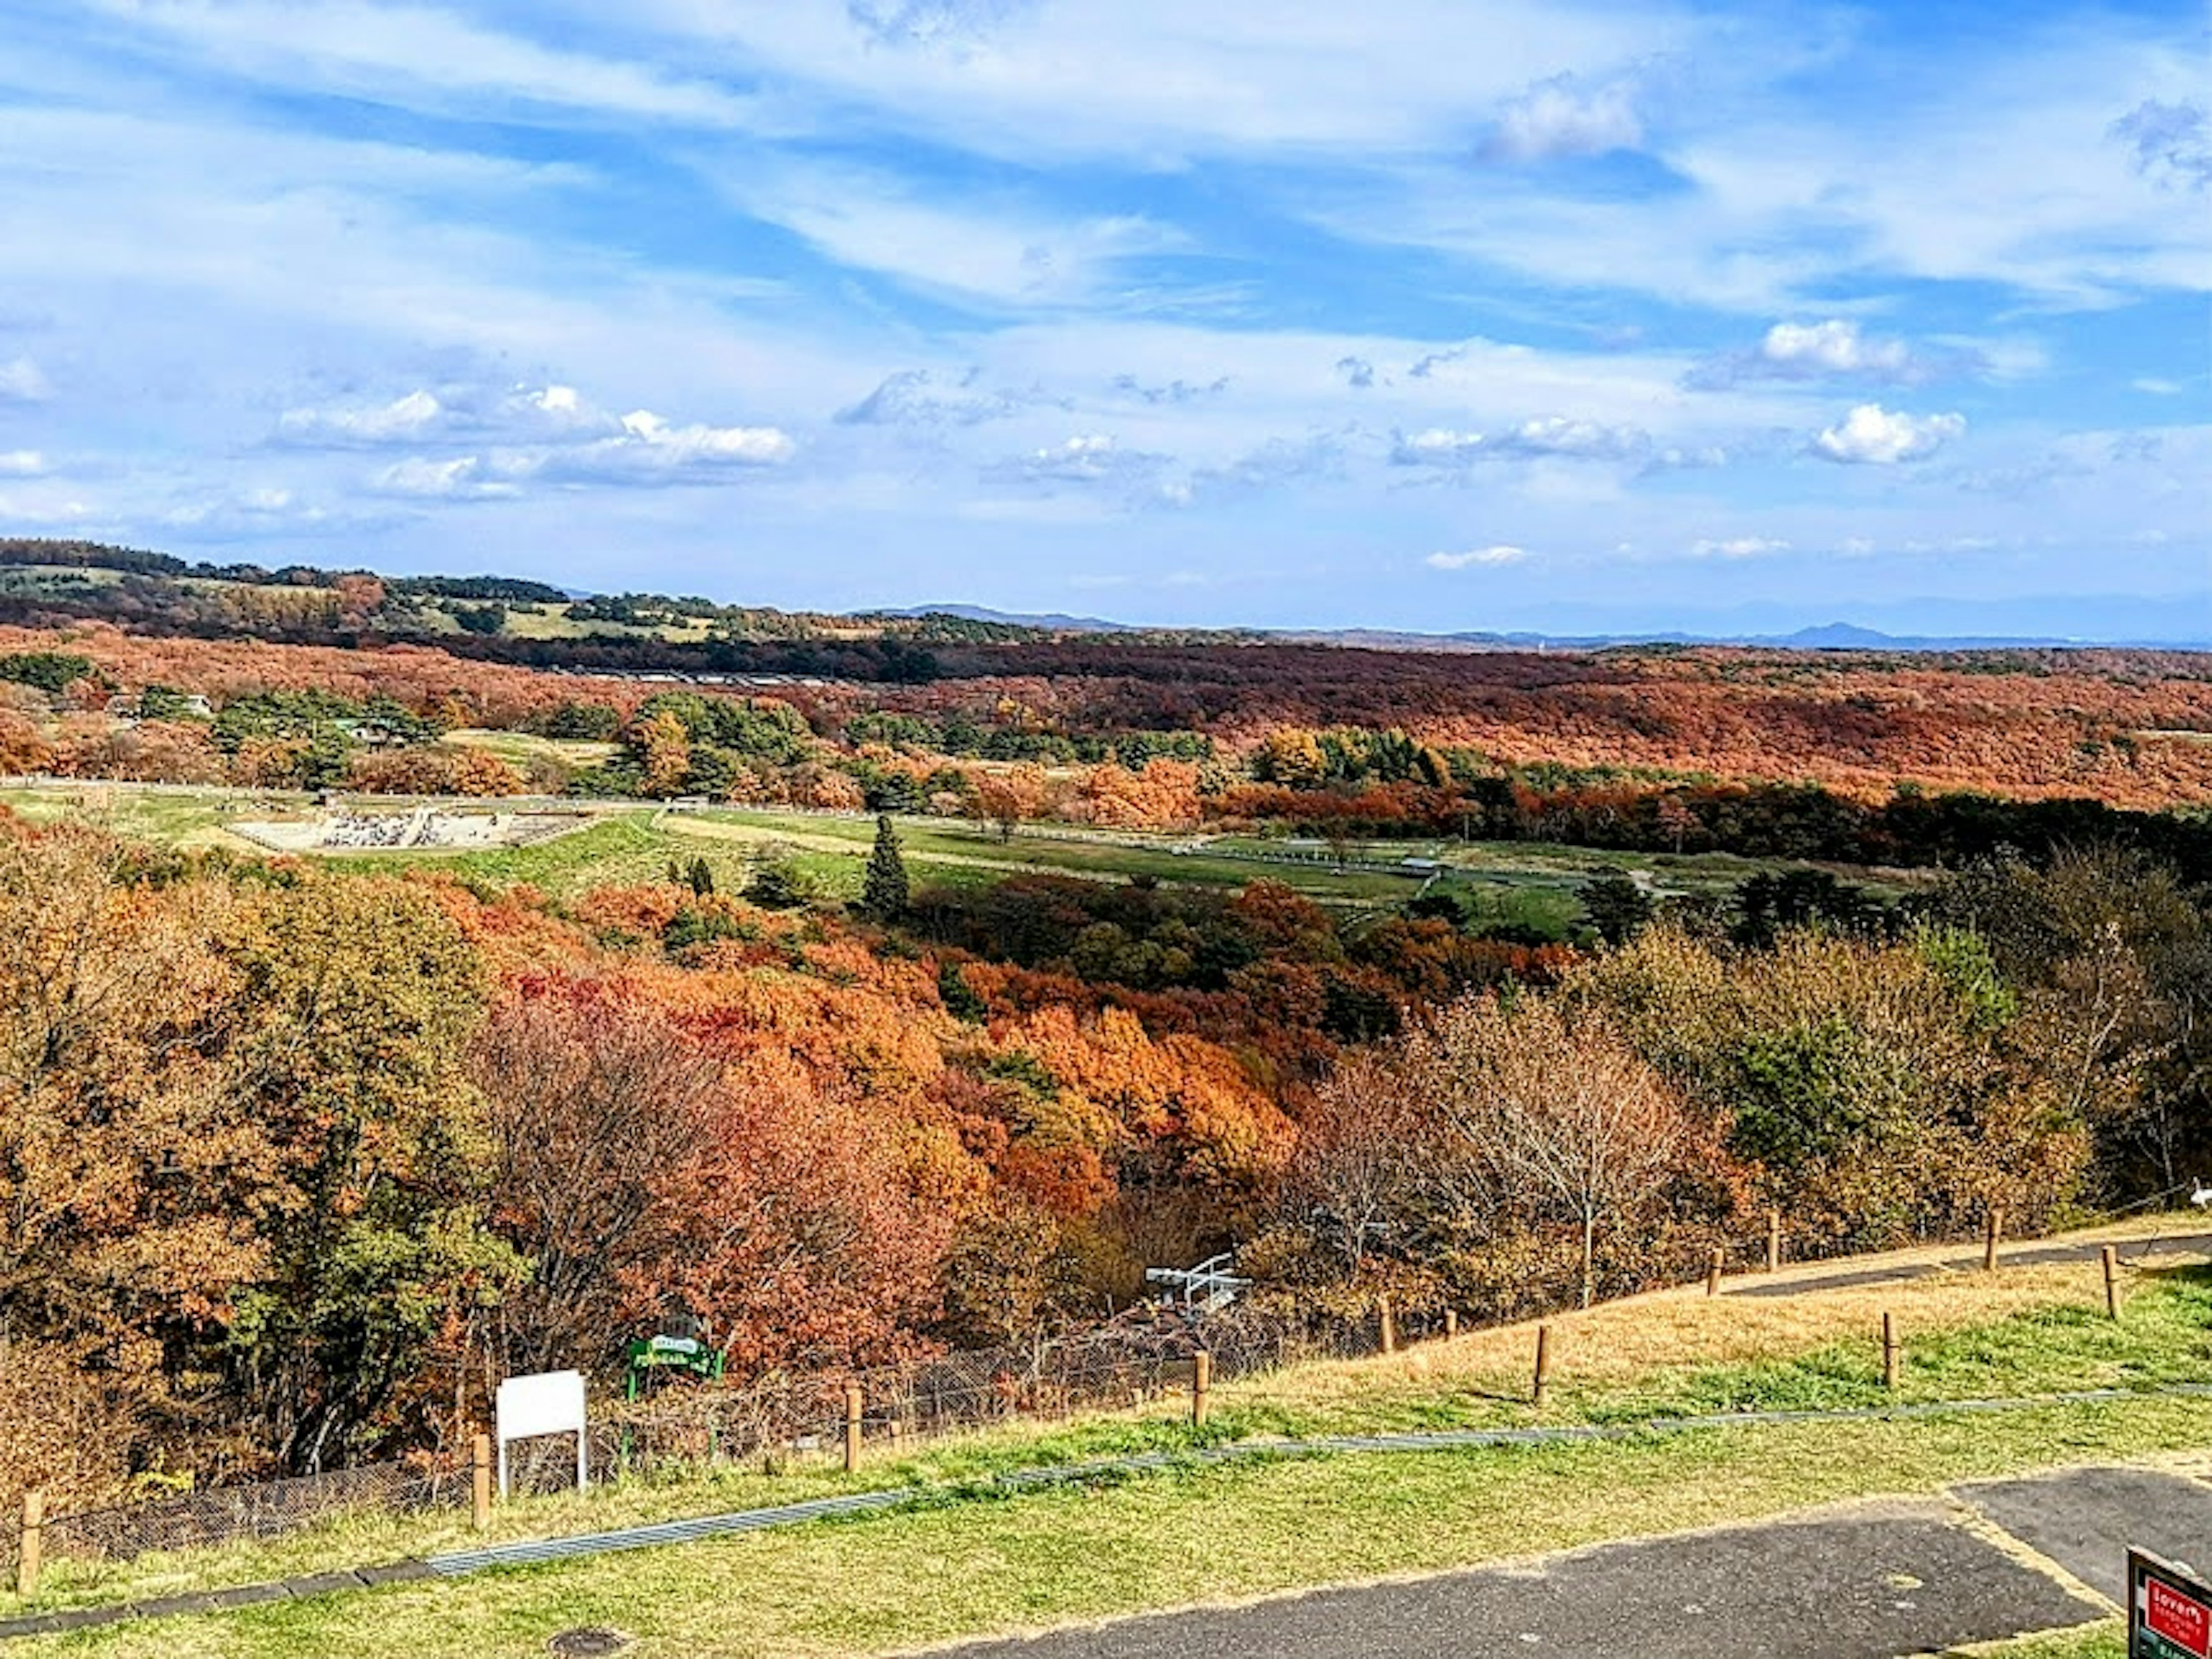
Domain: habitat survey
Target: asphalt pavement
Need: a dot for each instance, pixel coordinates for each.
(1989, 1561)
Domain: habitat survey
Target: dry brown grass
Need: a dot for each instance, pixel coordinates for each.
(1662, 1330)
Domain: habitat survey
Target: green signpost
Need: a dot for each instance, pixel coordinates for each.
(686, 1355)
(666, 1356)
(2169, 1610)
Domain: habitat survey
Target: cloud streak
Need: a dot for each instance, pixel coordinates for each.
(1488, 558)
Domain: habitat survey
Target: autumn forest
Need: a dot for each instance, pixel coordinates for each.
(299, 1156)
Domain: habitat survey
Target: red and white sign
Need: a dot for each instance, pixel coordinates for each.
(2181, 1620)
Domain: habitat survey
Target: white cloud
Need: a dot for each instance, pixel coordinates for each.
(1835, 347)
(1088, 459)
(2157, 387)
(463, 478)
(22, 464)
(1558, 436)
(650, 451)
(21, 381)
(455, 412)
(259, 511)
(1086, 456)
(550, 431)
(42, 511)
(405, 419)
(1696, 458)
(1738, 547)
(1872, 436)
(1485, 557)
(1555, 435)
(1437, 446)
(1560, 117)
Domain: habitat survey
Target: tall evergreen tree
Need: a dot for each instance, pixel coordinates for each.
(884, 894)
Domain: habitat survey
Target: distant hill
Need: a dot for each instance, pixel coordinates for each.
(1050, 620)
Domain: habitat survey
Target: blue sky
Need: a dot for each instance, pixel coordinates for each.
(1418, 313)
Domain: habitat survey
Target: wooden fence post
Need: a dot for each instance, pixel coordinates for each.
(852, 1402)
(1892, 1357)
(480, 1482)
(1774, 1241)
(1713, 1273)
(1543, 1365)
(1201, 1387)
(2112, 1259)
(1995, 1231)
(34, 1544)
(1451, 1323)
(1389, 1328)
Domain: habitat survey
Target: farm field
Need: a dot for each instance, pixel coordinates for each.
(1114, 1544)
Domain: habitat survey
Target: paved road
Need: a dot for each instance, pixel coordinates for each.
(1864, 1582)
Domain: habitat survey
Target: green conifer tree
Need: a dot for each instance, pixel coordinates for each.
(884, 894)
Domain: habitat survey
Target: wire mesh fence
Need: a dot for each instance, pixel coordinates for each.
(266, 1508)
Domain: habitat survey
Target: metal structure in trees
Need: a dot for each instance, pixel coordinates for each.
(1209, 1287)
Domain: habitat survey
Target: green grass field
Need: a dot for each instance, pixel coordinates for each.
(1531, 885)
(169, 817)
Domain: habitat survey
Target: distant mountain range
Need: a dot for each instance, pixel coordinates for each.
(1053, 621)
(1827, 637)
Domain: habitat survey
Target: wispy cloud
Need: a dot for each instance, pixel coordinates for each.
(1737, 547)
(425, 57)
(2171, 143)
(1477, 557)
(1562, 118)
(1547, 436)
(22, 382)
(1006, 252)
(917, 397)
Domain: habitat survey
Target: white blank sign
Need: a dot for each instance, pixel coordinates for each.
(550, 1402)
